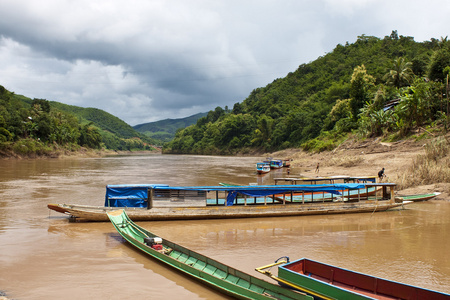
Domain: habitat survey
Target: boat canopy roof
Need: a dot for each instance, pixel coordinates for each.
(136, 195)
(261, 190)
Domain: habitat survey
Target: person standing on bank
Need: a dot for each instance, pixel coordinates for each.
(317, 168)
(381, 175)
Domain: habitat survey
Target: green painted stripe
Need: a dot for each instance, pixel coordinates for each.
(231, 278)
(256, 288)
(183, 257)
(209, 269)
(175, 254)
(243, 283)
(220, 274)
(191, 261)
(199, 265)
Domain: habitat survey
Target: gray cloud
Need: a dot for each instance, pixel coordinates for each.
(149, 60)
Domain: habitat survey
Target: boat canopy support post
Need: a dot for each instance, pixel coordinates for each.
(150, 198)
(392, 199)
(385, 193)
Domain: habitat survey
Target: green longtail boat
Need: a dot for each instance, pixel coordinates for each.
(221, 277)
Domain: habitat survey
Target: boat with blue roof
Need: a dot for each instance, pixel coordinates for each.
(151, 202)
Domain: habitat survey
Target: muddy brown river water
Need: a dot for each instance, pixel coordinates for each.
(43, 256)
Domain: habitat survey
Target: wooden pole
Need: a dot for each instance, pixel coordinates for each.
(150, 198)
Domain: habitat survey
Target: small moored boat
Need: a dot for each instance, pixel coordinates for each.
(262, 168)
(276, 164)
(219, 276)
(286, 162)
(416, 198)
(329, 282)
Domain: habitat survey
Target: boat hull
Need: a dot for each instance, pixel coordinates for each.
(99, 213)
(262, 171)
(219, 276)
(329, 281)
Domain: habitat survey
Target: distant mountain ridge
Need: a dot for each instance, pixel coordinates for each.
(164, 130)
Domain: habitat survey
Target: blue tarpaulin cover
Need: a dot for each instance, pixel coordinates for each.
(128, 195)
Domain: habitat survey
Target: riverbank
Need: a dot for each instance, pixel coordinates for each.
(360, 158)
(68, 153)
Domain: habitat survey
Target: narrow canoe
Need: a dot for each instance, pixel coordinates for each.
(219, 276)
(329, 282)
(417, 198)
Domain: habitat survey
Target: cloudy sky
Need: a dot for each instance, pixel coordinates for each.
(148, 60)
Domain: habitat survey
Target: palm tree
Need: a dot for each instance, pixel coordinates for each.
(401, 73)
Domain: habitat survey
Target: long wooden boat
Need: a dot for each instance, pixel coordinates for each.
(162, 202)
(329, 282)
(219, 276)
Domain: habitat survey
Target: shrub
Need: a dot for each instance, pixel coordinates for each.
(431, 167)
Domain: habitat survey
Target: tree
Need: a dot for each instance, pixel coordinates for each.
(361, 83)
(439, 61)
(400, 73)
(394, 35)
(90, 136)
(214, 115)
(263, 133)
(44, 104)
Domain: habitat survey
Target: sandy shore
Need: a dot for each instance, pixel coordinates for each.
(354, 158)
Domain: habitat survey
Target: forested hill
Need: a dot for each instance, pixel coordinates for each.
(100, 118)
(41, 127)
(322, 101)
(116, 134)
(164, 130)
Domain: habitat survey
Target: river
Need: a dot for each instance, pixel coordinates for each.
(43, 256)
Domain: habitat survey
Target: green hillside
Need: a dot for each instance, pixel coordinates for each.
(317, 105)
(165, 130)
(116, 134)
(40, 127)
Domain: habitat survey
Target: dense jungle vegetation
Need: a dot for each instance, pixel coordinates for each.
(40, 127)
(348, 90)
